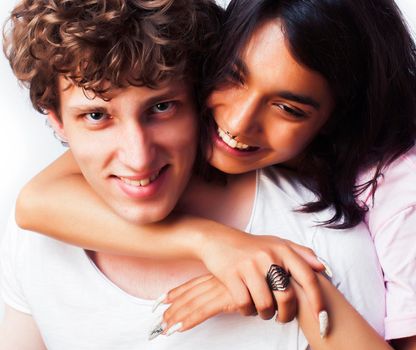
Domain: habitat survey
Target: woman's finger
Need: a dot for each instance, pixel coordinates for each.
(287, 304)
(209, 309)
(261, 295)
(310, 257)
(186, 300)
(194, 302)
(177, 291)
(239, 291)
(306, 277)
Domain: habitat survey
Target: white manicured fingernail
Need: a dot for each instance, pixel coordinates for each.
(328, 270)
(323, 323)
(176, 327)
(158, 321)
(157, 330)
(159, 301)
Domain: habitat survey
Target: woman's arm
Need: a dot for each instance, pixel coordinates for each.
(348, 330)
(61, 204)
(392, 226)
(204, 297)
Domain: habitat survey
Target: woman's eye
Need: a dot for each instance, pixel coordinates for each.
(96, 117)
(235, 77)
(162, 107)
(292, 111)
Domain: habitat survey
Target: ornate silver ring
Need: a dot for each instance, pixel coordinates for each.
(277, 278)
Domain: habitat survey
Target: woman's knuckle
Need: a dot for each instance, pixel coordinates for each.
(247, 310)
(285, 298)
(243, 304)
(310, 279)
(284, 249)
(167, 314)
(309, 250)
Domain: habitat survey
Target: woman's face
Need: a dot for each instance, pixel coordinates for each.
(272, 113)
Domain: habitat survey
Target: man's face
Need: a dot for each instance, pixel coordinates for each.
(136, 149)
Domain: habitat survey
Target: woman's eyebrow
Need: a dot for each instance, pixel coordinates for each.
(289, 95)
(241, 67)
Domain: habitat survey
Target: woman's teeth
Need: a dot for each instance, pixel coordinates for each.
(233, 143)
(141, 182)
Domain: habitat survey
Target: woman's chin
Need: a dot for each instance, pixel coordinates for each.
(231, 166)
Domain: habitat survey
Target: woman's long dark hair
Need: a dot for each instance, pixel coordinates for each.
(365, 51)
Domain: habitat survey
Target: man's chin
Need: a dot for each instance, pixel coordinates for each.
(137, 216)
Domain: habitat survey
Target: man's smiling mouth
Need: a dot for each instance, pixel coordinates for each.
(144, 181)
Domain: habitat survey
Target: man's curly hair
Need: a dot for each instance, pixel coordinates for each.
(99, 44)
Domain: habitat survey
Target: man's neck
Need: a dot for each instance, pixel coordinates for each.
(230, 204)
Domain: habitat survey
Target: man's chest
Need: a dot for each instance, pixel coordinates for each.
(146, 278)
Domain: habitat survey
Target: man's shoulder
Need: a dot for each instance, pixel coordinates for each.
(12, 239)
(16, 239)
(283, 189)
(337, 245)
(28, 249)
(287, 183)
(18, 253)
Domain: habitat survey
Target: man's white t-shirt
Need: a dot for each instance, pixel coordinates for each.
(77, 307)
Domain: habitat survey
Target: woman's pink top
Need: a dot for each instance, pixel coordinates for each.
(391, 220)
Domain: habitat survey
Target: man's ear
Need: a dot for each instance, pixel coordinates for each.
(57, 126)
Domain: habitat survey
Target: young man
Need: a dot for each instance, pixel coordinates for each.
(116, 80)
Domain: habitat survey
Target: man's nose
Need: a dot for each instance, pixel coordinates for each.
(136, 149)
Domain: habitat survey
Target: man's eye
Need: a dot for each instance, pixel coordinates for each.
(162, 107)
(95, 117)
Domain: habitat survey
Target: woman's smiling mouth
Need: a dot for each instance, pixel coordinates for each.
(233, 143)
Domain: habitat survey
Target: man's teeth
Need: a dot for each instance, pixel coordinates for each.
(230, 141)
(141, 182)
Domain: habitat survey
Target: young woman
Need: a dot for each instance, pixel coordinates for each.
(346, 127)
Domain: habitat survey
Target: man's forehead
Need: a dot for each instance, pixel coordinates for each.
(68, 80)
(107, 92)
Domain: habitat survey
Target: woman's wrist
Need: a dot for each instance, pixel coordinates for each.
(191, 235)
(201, 238)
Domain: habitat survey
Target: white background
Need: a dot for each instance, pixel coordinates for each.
(27, 145)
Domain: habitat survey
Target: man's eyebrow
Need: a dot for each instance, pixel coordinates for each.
(305, 100)
(170, 93)
(87, 109)
(165, 96)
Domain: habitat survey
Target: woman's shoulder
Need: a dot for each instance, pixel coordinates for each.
(395, 191)
(398, 175)
(405, 165)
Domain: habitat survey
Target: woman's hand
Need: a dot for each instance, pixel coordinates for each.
(193, 303)
(203, 297)
(196, 301)
(244, 263)
(241, 261)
